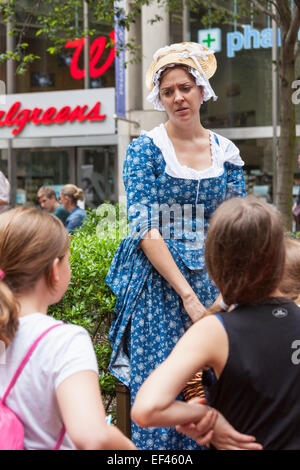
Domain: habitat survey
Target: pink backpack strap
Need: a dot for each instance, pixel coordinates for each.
(25, 360)
(21, 367)
(60, 438)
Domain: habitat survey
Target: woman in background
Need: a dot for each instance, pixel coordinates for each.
(69, 197)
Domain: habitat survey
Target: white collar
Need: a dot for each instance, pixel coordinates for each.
(173, 168)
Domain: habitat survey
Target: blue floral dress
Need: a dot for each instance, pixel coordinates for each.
(149, 315)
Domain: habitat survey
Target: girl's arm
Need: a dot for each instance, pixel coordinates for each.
(155, 403)
(160, 257)
(81, 407)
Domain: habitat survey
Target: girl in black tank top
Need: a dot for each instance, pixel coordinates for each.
(254, 350)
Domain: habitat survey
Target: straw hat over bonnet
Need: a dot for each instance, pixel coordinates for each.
(200, 60)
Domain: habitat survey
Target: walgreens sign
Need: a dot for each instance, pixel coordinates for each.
(56, 114)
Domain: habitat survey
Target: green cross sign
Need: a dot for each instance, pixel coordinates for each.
(211, 38)
(208, 40)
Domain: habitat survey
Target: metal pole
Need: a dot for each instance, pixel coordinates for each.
(186, 33)
(11, 88)
(86, 45)
(274, 101)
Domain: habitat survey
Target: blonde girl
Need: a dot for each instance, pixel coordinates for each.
(58, 390)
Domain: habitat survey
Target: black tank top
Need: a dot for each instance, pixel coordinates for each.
(258, 391)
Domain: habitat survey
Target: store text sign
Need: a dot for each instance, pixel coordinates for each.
(96, 51)
(249, 38)
(67, 113)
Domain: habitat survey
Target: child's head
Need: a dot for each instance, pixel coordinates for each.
(245, 250)
(46, 197)
(290, 284)
(30, 241)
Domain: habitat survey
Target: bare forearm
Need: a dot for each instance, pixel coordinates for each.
(160, 257)
(177, 413)
(117, 440)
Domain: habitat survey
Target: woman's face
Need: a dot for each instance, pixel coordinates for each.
(64, 200)
(180, 95)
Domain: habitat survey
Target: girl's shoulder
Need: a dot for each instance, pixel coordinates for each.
(33, 325)
(65, 347)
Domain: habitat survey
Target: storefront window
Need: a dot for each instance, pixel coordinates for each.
(258, 170)
(96, 174)
(243, 81)
(39, 167)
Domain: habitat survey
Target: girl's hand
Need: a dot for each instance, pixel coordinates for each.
(201, 432)
(225, 437)
(193, 307)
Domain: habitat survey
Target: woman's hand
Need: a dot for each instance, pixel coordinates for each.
(193, 306)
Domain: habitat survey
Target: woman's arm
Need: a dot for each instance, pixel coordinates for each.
(155, 403)
(160, 257)
(139, 176)
(81, 407)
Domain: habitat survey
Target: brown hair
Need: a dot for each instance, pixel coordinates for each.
(46, 191)
(30, 240)
(245, 250)
(290, 283)
(73, 192)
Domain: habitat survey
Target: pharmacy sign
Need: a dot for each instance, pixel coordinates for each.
(211, 38)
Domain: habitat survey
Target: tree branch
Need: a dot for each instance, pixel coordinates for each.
(294, 26)
(264, 10)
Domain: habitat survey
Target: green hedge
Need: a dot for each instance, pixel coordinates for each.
(89, 302)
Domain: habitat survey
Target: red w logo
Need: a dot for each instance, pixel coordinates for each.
(96, 51)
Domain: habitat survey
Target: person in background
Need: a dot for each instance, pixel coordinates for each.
(4, 192)
(69, 197)
(46, 197)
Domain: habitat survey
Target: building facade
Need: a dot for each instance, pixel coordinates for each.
(57, 128)
(243, 82)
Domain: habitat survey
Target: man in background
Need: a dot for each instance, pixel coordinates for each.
(46, 197)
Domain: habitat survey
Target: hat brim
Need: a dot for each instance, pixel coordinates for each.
(209, 66)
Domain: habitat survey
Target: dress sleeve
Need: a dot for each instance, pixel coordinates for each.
(235, 177)
(235, 186)
(140, 184)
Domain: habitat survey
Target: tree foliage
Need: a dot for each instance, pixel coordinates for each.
(62, 20)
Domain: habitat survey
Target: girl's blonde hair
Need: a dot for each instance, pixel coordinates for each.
(73, 192)
(290, 284)
(30, 241)
(245, 250)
